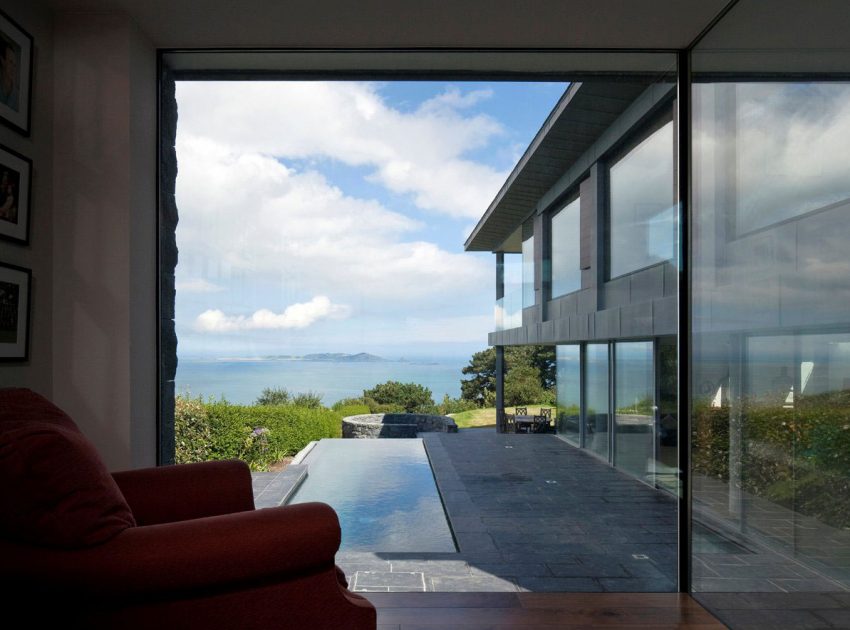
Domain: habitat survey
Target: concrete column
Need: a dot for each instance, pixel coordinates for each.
(500, 387)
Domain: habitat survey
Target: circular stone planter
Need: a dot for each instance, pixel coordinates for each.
(395, 425)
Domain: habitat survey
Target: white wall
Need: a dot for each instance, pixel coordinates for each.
(104, 302)
(36, 373)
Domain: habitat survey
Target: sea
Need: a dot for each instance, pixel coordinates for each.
(241, 381)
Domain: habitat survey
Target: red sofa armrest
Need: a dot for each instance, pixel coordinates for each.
(160, 561)
(186, 491)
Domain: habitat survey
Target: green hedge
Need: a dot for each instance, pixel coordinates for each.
(259, 435)
(798, 457)
(351, 410)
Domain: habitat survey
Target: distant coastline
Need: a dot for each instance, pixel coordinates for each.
(333, 375)
(334, 357)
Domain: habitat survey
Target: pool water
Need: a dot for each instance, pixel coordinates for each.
(383, 492)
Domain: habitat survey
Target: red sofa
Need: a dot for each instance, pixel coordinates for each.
(176, 546)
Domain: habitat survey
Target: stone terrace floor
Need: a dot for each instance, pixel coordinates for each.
(531, 513)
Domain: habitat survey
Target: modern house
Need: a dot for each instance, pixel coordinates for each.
(677, 229)
(585, 233)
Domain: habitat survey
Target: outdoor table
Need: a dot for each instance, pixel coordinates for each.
(525, 423)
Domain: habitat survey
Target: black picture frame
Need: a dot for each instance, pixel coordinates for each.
(15, 195)
(16, 64)
(15, 307)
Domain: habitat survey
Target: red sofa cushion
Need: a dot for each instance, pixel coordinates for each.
(17, 403)
(54, 488)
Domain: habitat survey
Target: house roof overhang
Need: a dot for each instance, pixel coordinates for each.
(579, 118)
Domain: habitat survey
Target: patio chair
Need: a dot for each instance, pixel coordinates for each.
(542, 422)
(521, 411)
(168, 547)
(509, 425)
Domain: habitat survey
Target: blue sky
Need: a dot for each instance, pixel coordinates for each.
(331, 216)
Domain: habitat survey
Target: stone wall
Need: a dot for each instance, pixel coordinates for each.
(395, 425)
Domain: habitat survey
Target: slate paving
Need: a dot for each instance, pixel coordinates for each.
(531, 513)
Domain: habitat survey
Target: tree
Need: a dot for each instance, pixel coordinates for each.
(522, 386)
(414, 398)
(273, 396)
(482, 366)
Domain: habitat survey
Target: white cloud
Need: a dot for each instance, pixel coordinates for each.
(246, 216)
(294, 316)
(198, 285)
(421, 153)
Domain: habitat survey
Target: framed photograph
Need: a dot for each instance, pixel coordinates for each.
(14, 312)
(15, 188)
(15, 75)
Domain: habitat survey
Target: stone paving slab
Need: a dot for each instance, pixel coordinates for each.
(532, 513)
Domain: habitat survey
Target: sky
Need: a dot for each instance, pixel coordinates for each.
(331, 216)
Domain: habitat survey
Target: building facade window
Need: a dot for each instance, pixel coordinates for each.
(568, 385)
(642, 208)
(508, 312)
(634, 409)
(564, 248)
(597, 406)
(527, 265)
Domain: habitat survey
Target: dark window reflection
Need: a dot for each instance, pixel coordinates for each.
(569, 393)
(596, 395)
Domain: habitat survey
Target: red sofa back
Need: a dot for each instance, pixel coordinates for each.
(55, 490)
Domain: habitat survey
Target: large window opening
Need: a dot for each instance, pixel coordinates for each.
(564, 249)
(322, 277)
(642, 203)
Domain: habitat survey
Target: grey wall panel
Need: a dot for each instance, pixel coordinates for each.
(617, 292)
(647, 284)
(579, 326)
(665, 315)
(562, 329)
(671, 279)
(607, 324)
(636, 320)
(587, 300)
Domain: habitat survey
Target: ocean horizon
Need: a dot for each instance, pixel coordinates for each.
(241, 380)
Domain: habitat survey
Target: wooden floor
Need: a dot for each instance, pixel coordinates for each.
(533, 611)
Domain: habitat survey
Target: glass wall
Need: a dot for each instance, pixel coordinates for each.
(634, 411)
(508, 312)
(565, 267)
(568, 385)
(771, 288)
(596, 399)
(667, 420)
(642, 204)
(528, 271)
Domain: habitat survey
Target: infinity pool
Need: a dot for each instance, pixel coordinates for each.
(383, 491)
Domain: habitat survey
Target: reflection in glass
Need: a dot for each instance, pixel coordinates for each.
(569, 393)
(634, 417)
(771, 331)
(528, 272)
(790, 156)
(666, 434)
(509, 307)
(642, 205)
(565, 251)
(596, 395)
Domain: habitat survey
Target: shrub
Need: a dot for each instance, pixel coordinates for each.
(455, 405)
(273, 396)
(192, 433)
(349, 402)
(260, 435)
(410, 397)
(352, 410)
(311, 400)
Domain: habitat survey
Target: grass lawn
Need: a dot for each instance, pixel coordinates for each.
(486, 418)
